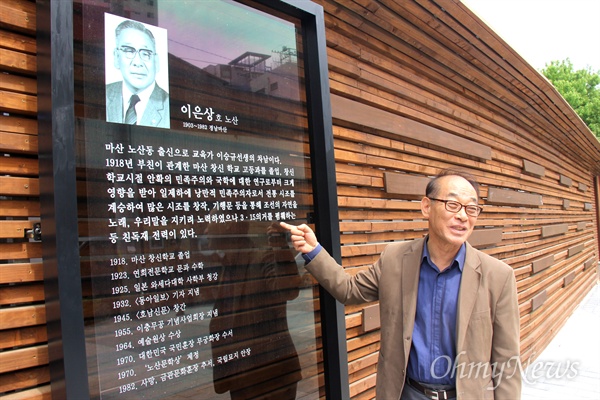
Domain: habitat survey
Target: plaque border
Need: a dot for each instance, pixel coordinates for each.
(58, 195)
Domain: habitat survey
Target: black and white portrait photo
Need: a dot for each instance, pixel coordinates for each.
(136, 73)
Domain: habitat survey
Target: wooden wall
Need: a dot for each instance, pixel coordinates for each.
(421, 85)
(416, 86)
(24, 372)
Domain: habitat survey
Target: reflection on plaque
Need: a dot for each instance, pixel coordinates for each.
(255, 283)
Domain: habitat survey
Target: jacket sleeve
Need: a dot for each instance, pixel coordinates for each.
(345, 288)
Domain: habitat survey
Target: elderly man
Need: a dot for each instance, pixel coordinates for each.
(137, 99)
(449, 313)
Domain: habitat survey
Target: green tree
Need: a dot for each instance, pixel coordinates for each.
(580, 88)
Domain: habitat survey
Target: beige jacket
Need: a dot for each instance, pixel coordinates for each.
(487, 365)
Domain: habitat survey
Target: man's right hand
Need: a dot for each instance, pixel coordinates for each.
(303, 238)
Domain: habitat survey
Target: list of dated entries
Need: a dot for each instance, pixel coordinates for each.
(156, 271)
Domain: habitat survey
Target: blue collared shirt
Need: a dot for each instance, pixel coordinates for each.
(433, 350)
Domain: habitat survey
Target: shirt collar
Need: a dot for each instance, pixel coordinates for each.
(458, 259)
(144, 95)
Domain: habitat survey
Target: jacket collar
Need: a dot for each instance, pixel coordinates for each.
(411, 264)
(467, 296)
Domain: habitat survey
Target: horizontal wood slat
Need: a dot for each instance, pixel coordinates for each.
(542, 264)
(23, 379)
(18, 42)
(554, 230)
(20, 208)
(12, 295)
(38, 393)
(18, 102)
(28, 357)
(570, 277)
(21, 272)
(18, 15)
(538, 300)
(16, 317)
(23, 337)
(533, 169)
(511, 197)
(18, 143)
(20, 251)
(18, 124)
(412, 186)
(19, 166)
(17, 62)
(18, 84)
(576, 249)
(485, 237)
(566, 181)
(357, 113)
(15, 186)
(14, 229)
(589, 264)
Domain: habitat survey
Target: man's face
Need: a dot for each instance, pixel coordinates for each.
(448, 229)
(140, 71)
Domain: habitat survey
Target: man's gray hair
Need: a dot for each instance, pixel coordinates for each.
(433, 185)
(129, 24)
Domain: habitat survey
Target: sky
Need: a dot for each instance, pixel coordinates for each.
(546, 30)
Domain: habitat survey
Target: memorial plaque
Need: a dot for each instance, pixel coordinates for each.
(192, 144)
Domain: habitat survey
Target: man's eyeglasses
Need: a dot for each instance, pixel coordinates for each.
(455, 207)
(130, 52)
